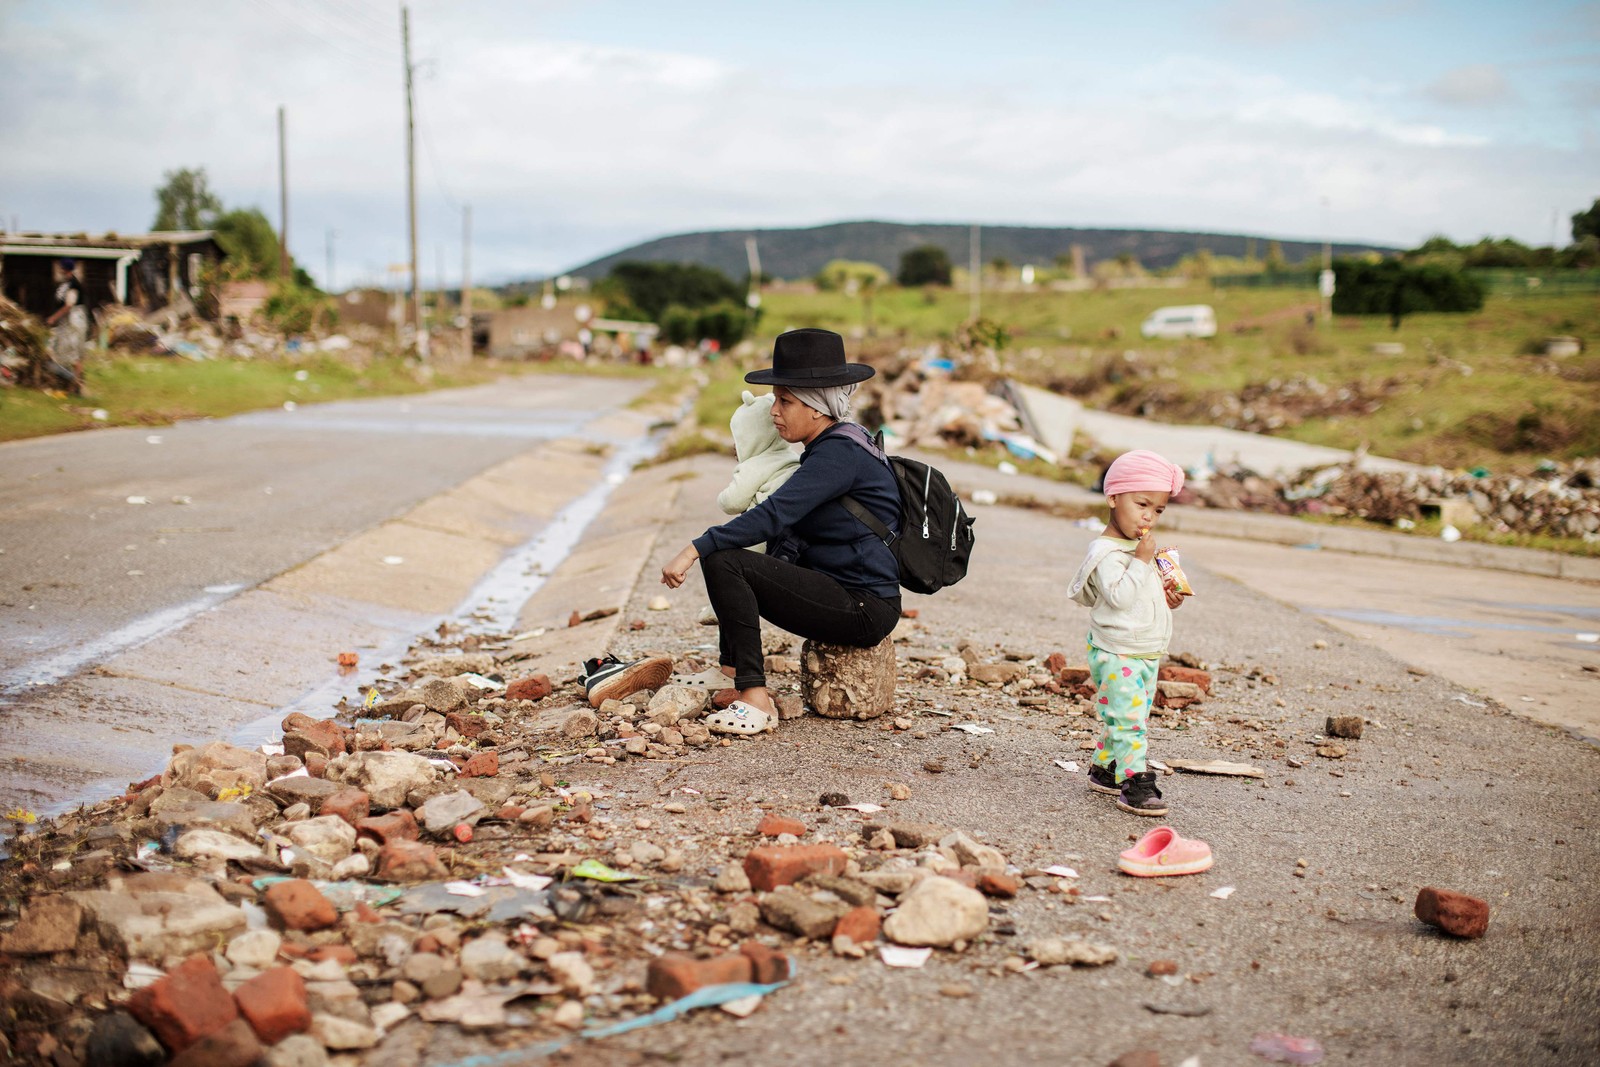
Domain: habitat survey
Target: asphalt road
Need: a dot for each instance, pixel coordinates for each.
(107, 537)
(111, 539)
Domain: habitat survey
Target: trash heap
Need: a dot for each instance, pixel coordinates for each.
(24, 349)
(1558, 499)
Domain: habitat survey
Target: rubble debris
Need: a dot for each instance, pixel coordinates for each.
(1347, 726)
(1216, 766)
(1454, 913)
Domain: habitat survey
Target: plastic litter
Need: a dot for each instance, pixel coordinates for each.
(971, 728)
(1285, 1048)
(983, 496)
(342, 895)
(902, 956)
(1224, 893)
(1067, 765)
(1059, 871)
(1216, 766)
(599, 872)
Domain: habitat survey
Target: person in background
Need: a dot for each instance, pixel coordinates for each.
(69, 328)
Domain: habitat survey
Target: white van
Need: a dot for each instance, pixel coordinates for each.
(1186, 320)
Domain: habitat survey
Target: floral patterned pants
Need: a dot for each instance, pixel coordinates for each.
(1125, 686)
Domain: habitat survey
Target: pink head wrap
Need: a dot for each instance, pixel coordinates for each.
(1142, 471)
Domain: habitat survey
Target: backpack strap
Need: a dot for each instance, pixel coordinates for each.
(873, 523)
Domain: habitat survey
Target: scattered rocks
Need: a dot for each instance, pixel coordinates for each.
(1347, 726)
(50, 924)
(771, 866)
(842, 682)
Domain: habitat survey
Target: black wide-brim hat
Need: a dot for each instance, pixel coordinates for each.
(809, 359)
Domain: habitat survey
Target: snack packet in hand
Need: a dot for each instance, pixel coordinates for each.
(1167, 564)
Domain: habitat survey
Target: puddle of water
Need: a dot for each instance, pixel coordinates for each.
(493, 604)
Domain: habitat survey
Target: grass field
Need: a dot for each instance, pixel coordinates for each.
(1468, 390)
(157, 391)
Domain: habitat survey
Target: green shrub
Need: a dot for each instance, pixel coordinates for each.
(1394, 289)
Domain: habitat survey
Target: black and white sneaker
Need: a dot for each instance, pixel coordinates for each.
(1104, 779)
(609, 678)
(1140, 796)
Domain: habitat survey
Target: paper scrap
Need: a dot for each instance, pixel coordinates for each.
(463, 889)
(535, 882)
(1461, 699)
(864, 808)
(1061, 872)
(1067, 765)
(1588, 639)
(742, 1007)
(971, 728)
(1217, 766)
(1096, 900)
(1224, 893)
(393, 561)
(901, 956)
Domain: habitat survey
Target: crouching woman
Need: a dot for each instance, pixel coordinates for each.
(843, 585)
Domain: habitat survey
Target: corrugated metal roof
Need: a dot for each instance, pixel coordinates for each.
(107, 240)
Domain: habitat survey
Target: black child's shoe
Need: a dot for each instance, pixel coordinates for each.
(1140, 795)
(1104, 779)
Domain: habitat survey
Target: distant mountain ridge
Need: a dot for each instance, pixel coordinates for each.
(802, 252)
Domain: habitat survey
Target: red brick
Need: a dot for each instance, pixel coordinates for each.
(302, 734)
(482, 765)
(994, 884)
(1055, 662)
(409, 861)
(297, 905)
(468, 726)
(1073, 676)
(316, 764)
(235, 1045)
(860, 925)
(426, 943)
(510, 813)
(294, 950)
(349, 804)
(365, 913)
(773, 825)
(398, 825)
(722, 698)
(770, 866)
(1454, 913)
(671, 977)
(185, 1005)
(1175, 703)
(767, 964)
(1173, 673)
(274, 1003)
(574, 620)
(533, 687)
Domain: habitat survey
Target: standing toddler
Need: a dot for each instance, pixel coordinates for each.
(1130, 625)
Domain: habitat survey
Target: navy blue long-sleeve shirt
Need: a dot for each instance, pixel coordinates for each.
(836, 542)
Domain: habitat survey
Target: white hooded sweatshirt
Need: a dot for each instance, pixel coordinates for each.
(1128, 613)
(765, 459)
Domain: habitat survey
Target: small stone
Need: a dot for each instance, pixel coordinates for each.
(185, 1005)
(899, 791)
(118, 1040)
(1332, 750)
(531, 687)
(833, 800)
(938, 912)
(274, 1004)
(732, 879)
(659, 603)
(1347, 726)
(933, 766)
(256, 949)
(1161, 968)
(773, 825)
(49, 924)
(770, 866)
(957, 990)
(792, 909)
(1056, 951)
(490, 959)
(568, 1015)
(339, 1033)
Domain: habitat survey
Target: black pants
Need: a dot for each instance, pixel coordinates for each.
(746, 587)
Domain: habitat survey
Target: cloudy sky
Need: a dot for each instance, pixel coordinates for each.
(574, 129)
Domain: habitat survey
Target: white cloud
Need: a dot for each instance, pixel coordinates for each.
(1474, 85)
(569, 149)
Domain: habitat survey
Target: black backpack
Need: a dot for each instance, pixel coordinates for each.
(935, 538)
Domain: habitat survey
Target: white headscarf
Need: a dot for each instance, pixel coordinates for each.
(833, 401)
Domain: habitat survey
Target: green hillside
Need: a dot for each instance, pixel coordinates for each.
(800, 253)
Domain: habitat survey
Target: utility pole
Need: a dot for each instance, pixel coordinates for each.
(411, 186)
(332, 287)
(283, 197)
(974, 270)
(752, 255)
(466, 280)
(1325, 281)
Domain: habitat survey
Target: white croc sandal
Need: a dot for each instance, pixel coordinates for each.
(740, 718)
(710, 678)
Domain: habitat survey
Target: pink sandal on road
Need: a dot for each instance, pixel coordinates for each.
(1161, 852)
